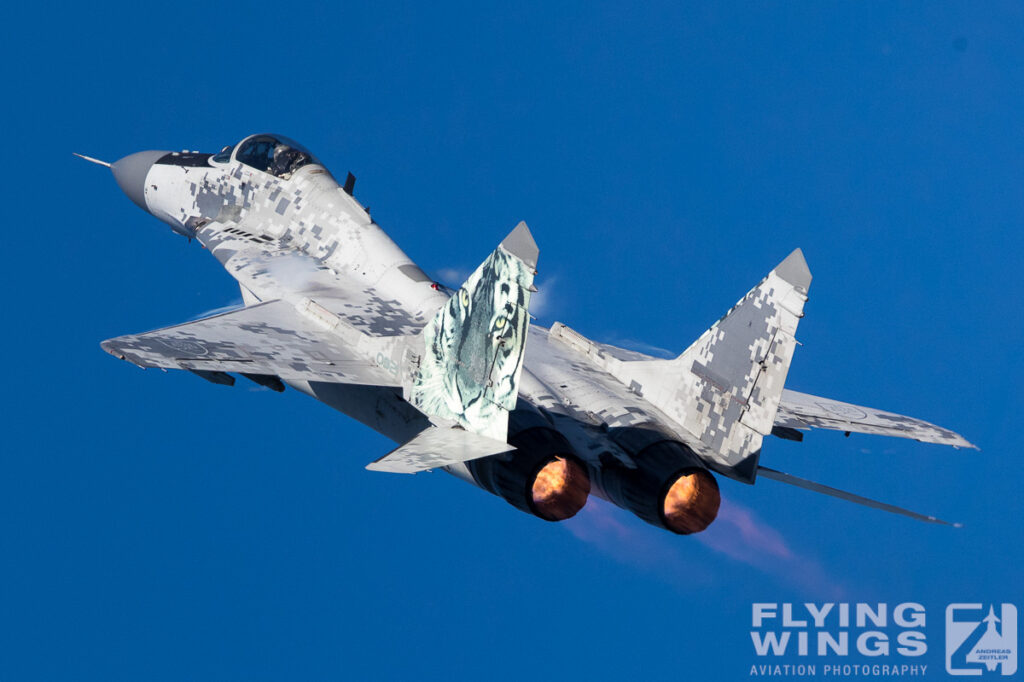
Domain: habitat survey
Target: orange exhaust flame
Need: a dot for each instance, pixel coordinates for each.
(560, 489)
(691, 504)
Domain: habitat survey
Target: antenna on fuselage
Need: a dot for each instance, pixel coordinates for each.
(350, 184)
(91, 160)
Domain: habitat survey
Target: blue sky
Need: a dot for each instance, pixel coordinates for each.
(158, 527)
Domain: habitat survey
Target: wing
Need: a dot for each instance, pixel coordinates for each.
(269, 339)
(802, 411)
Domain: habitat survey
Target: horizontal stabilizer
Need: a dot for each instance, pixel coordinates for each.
(849, 497)
(802, 411)
(438, 447)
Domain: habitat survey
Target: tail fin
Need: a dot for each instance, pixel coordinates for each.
(472, 354)
(726, 387)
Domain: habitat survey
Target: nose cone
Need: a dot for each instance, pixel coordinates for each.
(130, 173)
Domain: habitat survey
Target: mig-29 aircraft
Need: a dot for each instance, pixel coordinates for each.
(462, 380)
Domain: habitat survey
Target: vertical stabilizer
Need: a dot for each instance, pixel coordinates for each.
(725, 388)
(473, 348)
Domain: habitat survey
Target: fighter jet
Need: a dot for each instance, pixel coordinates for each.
(461, 380)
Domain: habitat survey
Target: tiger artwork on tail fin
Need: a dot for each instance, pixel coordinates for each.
(473, 348)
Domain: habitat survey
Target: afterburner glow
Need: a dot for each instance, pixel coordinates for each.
(691, 504)
(560, 489)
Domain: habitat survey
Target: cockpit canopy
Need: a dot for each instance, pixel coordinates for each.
(274, 154)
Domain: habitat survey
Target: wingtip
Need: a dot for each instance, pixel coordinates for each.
(794, 270)
(958, 442)
(377, 465)
(521, 244)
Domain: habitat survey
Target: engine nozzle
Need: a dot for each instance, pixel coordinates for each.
(541, 477)
(691, 503)
(669, 486)
(560, 489)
